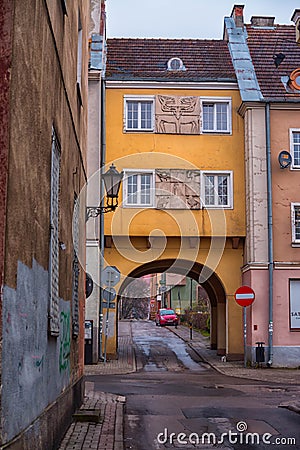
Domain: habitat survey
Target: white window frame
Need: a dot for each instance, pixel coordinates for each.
(129, 172)
(293, 165)
(76, 270)
(139, 99)
(294, 285)
(293, 223)
(54, 236)
(215, 100)
(229, 174)
(176, 60)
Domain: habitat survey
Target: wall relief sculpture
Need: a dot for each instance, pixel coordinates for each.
(177, 189)
(177, 115)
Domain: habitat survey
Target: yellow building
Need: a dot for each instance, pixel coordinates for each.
(173, 128)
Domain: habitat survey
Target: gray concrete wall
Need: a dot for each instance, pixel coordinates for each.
(283, 356)
(36, 369)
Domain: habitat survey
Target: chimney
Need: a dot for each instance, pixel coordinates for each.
(102, 19)
(238, 16)
(296, 19)
(262, 21)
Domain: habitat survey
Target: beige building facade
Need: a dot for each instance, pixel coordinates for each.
(43, 129)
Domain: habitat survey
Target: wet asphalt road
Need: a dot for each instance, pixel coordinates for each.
(174, 392)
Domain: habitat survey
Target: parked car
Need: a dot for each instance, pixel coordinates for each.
(166, 316)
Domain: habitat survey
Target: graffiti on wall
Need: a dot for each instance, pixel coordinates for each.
(35, 369)
(65, 341)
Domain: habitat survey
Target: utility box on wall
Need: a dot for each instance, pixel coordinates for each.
(88, 342)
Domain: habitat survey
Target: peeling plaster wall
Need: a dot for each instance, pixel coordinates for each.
(6, 23)
(36, 368)
(256, 187)
(285, 183)
(285, 189)
(41, 373)
(95, 9)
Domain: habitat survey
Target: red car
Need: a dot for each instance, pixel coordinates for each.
(166, 316)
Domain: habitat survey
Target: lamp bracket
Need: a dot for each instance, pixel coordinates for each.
(95, 211)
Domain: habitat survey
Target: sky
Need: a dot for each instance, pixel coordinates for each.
(194, 19)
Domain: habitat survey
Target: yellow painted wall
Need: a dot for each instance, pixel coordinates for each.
(227, 269)
(148, 150)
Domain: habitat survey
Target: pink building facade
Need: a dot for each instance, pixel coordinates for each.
(266, 57)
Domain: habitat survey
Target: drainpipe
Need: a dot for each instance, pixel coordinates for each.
(270, 233)
(101, 259)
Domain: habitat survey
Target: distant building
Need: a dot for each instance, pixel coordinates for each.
(95, 160)
(266, 57)
(44, 60)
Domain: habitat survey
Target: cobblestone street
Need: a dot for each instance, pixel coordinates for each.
(105, 430)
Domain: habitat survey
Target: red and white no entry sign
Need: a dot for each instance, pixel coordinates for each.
(244, 296)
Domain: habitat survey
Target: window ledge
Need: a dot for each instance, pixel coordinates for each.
(138, 131)
(216, 132)
(217, 207)
(137, 206)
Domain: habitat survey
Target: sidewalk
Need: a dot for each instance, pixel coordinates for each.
(99, 422)
(126, 357)
(200, 345)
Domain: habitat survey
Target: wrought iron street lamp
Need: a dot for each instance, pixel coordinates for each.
(112, 183)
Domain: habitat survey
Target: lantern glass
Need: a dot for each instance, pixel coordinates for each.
(112, 182)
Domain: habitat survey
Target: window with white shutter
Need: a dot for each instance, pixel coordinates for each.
(54, 238)
(75, 275)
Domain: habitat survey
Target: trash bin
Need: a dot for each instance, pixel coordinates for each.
(260, 352)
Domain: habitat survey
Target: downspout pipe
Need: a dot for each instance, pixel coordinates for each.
(102, 195)
(270, 233)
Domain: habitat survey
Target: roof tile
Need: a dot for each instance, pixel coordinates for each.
(263, 44)
(146, 59)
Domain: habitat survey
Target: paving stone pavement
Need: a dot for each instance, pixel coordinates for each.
(234, 368)
(108, 433)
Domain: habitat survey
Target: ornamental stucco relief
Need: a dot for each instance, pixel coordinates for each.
(177, 115)
(177, 189)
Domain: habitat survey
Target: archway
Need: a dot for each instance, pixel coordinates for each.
(212, 285)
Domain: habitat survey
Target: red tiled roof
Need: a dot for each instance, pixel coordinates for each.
(263, 45)
(146, 59)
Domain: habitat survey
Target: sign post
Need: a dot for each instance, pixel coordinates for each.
(110, 276)
(244, 296)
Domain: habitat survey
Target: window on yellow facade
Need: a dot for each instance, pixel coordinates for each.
(217, 189)
(216, 115)
(138, 188)
(139, 113)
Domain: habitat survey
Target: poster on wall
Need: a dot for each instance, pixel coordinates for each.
(295, 304)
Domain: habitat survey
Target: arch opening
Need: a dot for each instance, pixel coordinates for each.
(212, 286)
